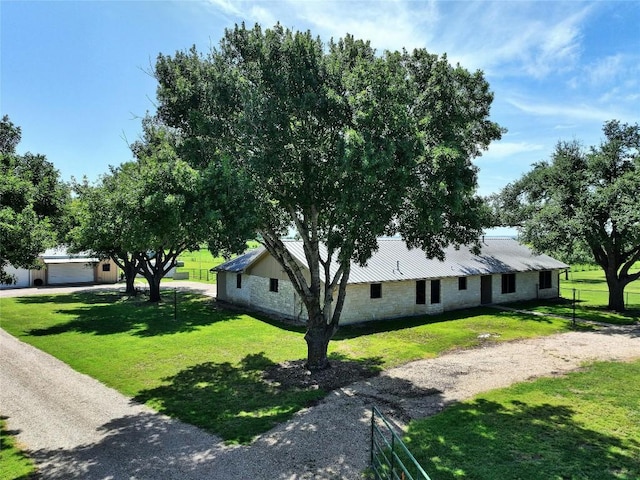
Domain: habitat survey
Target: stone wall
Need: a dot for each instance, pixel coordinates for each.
(398, 298)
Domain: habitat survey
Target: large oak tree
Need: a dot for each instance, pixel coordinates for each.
(340, 143)
(584, 199)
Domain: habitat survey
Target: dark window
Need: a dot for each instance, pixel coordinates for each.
(376, 290)
(435, 291)
(508, 282)
(545, 279)
(421, 292)
(273, 284)
(106, 267)
(239, 280)
(462, 283)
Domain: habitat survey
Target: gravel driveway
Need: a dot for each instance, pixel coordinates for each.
(75, 427)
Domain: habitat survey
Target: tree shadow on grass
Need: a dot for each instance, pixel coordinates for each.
(107, 314)
(392, 325)
(239, 402)
(487, 440)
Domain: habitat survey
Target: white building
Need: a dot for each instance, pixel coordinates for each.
(398, 281)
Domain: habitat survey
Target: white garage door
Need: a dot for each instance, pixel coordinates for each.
(21, 276)
(69, 273)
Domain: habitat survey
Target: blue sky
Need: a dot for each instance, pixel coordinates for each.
(75, 75)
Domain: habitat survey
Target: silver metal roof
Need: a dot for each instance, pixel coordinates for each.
(394, 261)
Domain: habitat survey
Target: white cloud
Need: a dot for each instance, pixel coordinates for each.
(579, 112)
(500, 150)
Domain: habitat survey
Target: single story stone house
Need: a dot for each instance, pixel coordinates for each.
(398, 281)
(60, 267)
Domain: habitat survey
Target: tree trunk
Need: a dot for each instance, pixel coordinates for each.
(154, 288)
(616, 295)
(616, 288)
(317, 338)
(130, 278)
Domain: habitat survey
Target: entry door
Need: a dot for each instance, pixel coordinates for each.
(485, 289)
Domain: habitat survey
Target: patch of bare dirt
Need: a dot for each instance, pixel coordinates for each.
(293, 374)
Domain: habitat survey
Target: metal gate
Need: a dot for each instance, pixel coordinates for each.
(390, 458)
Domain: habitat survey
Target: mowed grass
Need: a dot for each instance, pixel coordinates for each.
(585, 425)
(592, 298)
(198, 263)
(14, 464)
(206, 366)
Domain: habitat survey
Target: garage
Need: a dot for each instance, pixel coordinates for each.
(21, 276)
(70, 272)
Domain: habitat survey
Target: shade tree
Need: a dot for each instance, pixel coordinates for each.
(338, 142)
(584, 199)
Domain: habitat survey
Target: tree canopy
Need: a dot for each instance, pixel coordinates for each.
(146, 212)
(341, 143)
(584, 199)
(33, 202)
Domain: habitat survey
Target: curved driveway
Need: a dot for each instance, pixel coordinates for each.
(76, 428)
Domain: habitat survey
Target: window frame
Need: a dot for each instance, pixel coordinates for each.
(421, 292)
(545, 280)
(436, 292)
(462, 283)
(106, 267)
(375, 290)
(274, 285)
(508, 283)
(238, 280)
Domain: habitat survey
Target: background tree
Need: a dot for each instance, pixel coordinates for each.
(146, 212)
(102, 223)
(339, 143)
(584, 198)
(33, 203)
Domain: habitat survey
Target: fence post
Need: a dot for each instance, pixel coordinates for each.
(573, 316)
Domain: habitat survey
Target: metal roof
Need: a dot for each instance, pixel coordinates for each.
(61, 255)
(395, 261)
(241, 262)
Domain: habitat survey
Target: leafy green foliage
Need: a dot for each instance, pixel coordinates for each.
(337, 142)
(33, 202)
(584, 200)
(146, 212)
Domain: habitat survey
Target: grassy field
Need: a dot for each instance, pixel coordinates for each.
(591, 298)
(206, 367)
(198, 263)
(585, 425)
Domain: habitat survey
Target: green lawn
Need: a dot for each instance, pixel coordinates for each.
(206, 367)
(591, 298)
(198, 263)
(585, 425)
(14, 464)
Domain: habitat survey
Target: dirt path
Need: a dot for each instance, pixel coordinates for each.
(75, 427)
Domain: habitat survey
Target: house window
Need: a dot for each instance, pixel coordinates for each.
(421, 292)
(273, 284)
(462, 283)
(545, 279)
(239, 280)
(106, 267)
(508, 282)
(376, 290)
(435, 291)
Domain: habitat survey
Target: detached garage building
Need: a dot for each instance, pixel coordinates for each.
(61, 268)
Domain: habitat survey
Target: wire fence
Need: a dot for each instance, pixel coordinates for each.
(599, 297)
(200, 274)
